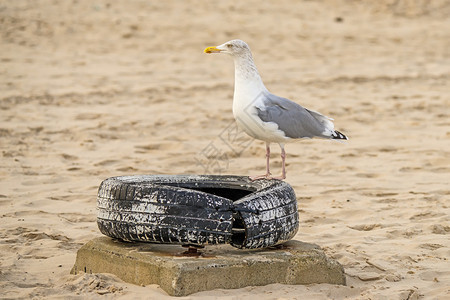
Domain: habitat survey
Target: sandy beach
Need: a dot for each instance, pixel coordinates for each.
(94, 89)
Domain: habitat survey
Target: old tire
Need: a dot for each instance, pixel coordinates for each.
(197, 210)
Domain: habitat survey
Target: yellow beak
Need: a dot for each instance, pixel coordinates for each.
(212, 50)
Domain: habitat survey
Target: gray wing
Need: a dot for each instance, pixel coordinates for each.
(293, 119)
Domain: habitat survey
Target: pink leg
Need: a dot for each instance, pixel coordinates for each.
(267, 175)
(283, 164)
(267, 159)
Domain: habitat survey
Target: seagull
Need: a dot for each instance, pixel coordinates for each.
(265, 116)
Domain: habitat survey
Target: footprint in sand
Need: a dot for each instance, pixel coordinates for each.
(365, 227)
(88, 116)
(105, 163)
(69, 157)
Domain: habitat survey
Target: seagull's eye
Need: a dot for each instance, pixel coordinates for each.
(230, 46)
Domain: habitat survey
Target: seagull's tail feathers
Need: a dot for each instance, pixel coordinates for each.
(328, 127)
(336, 135)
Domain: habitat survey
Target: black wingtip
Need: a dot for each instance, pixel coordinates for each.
(338, 136)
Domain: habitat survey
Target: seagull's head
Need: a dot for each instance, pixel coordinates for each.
(233, 47)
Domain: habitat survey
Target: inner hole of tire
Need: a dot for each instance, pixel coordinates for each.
(238, 230)
(229, 193)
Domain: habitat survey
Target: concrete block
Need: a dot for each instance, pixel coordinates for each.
(218, 266)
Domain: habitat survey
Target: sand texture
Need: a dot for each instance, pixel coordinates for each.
(94, 89)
